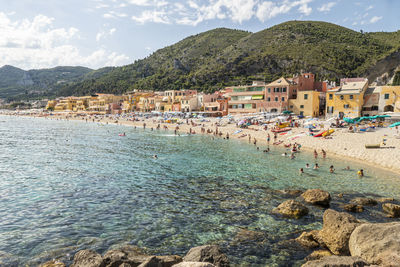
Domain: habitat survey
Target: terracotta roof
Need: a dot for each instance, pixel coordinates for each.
(280, 81)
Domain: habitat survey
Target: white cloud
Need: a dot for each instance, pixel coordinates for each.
(114, 14)
(267, 10)
(369, 7)
(152, 16)
(327, 7)
(37, 43)
(375, 19)
(103, 34)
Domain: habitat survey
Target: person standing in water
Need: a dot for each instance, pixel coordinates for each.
(315, 154)
(331, 169)
(323, 153)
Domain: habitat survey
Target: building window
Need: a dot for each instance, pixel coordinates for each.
(305, 96)
(351, 96)
(291, 106)
(276, 99)
(341, 97)
(346, 106)
(269, 90)
(330, 96)
(374, 108)
(269, 99)
(301, 106)
(284, 89)
(386, 96)
(283, 99)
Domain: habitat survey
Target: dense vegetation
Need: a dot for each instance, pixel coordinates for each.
(396, 78)
(222, 57)
(18, 84)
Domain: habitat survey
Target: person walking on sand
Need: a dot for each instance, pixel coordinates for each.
(268, 138)
(323, 153)
(315, 154)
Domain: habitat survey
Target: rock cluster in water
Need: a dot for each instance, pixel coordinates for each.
(131, 256)
(344, 240)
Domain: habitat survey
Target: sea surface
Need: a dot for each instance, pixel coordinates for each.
(71, 185)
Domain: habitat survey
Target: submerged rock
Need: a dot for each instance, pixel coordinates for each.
(317, 197)
(353, 207)
(392, 210)
(377, 243)
(291, 208)
(53, 263)
(336, 230)
(207, 253)
(248, 236)
(337, 261)
(385, 199)
(87, 258)
(308, 239)
(290, 192)
(364, 201)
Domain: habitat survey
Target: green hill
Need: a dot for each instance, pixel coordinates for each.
(221, 57)
(18, 84)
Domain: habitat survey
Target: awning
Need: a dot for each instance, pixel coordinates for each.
(257, 97)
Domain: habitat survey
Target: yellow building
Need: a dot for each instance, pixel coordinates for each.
(66, 104)
(102, 103)
(51, 104)
(389, 99)
(346, 100)
(305, 104)
(82, 103)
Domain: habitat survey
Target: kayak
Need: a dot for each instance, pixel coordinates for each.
(373, 146)
(328, 133)
(280, 130)
(320, 134)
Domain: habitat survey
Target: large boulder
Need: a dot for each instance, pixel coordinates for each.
(207, 253)
(194, 264)
(129, 255)
(392, 210)
(170, 260)
(87, 258)
(336, 230)
(353, 207)
(365, 201)
(317, 197)
(337, 261)
(245, 236)
(318, 254)
(291, 208)
(308, 239)
(377, 243)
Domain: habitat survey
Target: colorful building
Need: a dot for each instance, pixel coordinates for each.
(389, 100)
(307, 103)
(277, 95)
(346, 100)
(247, 99)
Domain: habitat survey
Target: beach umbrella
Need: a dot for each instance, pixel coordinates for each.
(309, 126)
(395, 124)
(348, 120)
(286, 112)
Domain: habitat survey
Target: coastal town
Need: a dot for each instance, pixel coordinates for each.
(301, 95)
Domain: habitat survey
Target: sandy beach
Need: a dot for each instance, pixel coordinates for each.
(341, 143)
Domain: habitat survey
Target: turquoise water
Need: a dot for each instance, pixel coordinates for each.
(69, 185)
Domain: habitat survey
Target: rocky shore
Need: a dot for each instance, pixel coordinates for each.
(347, 238)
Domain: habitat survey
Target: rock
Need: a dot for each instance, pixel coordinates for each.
(392, 210)
(291, 208)
(318, 254)
(234, 204)
(248, 236)
(150, 262)
(53, 263)
(336, 230)
(130, 255)
(377, 243)
(317, 197)
(308, 239)
(207, 253)
(87, 258)
(340, 195)
(385, 199)
(170, 260)
(364, 201)
(353, 208)
(194, 264)
(336, 261)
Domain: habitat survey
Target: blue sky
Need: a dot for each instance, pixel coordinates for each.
(98, 33)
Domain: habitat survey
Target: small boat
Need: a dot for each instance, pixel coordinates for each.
(278, 143)
(280, 130)
(326, 133)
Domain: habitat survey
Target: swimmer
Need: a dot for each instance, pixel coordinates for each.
(155, 156)
(307, 165)
(316, 166)
(284, 154)
(301, 171)
(360, 173)
(331, 169)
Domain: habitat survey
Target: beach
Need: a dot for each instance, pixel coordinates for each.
(340, 144)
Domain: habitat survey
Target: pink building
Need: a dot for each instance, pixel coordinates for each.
(277, 94)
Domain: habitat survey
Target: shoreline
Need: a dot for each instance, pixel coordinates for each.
(369, 158)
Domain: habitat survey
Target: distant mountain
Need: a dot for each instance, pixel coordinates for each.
(16, 83)
(222, 57)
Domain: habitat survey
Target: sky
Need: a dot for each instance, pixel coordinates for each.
(97, 33)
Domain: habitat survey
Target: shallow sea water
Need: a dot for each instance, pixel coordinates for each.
(71, 185)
